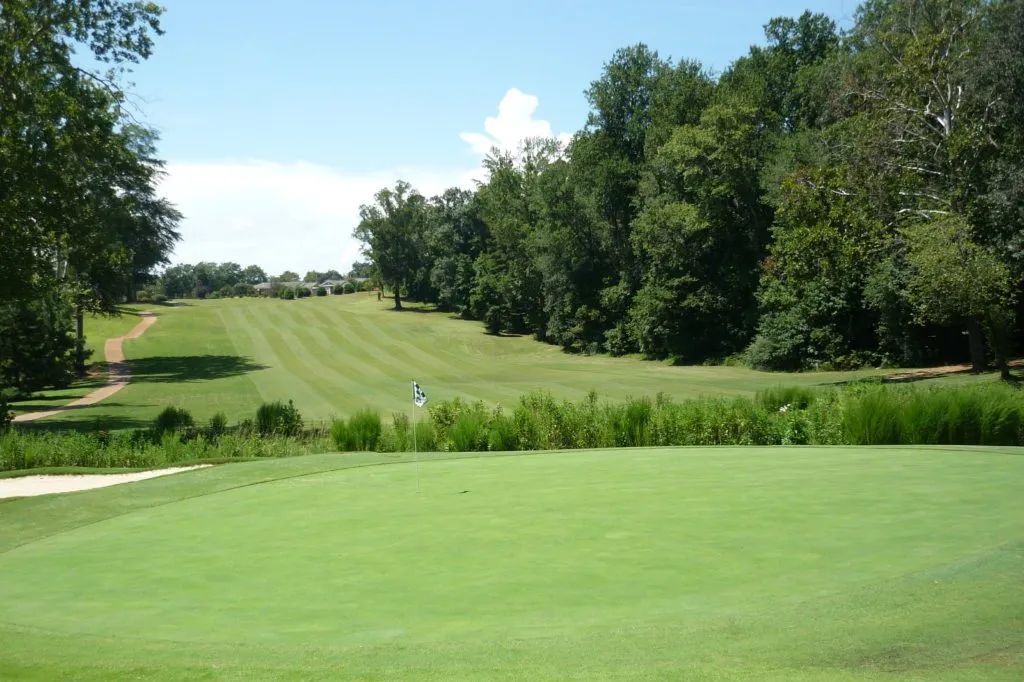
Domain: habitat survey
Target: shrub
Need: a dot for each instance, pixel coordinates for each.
(172, 420)
(217, 426)
(790, 397)
(321, 292)
(501, 433)
(426, 438)
(278, 418)
(288, 293)
(401, 434)
(469, 433)
(339, 434)
(364, 430)
(631, 421)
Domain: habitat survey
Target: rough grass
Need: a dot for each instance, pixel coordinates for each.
(742, 563)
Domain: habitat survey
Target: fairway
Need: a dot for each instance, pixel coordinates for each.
(338, 354)
(785, 563)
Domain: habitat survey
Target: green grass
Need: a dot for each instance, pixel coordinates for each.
(338, 354)
(727, 563)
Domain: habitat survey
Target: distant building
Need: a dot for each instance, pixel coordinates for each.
(263, 288)
(331, 284)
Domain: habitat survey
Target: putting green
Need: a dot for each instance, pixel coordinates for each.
(745, 562)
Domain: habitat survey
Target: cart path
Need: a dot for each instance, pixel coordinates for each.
(119, 372)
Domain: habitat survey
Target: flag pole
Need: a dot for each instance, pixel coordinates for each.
(415, 448)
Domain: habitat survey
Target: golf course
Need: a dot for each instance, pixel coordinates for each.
(517, 342)
(702, 563)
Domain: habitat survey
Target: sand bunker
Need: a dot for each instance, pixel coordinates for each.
(28, 486)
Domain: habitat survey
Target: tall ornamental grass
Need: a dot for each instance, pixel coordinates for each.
(874, 414)
(983, 414)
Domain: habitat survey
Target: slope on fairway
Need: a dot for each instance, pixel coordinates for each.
(338, 354)
(753, 563)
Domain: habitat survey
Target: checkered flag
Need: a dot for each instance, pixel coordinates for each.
(419, 398)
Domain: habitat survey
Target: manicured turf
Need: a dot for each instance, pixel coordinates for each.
(729, 563)
(338, 354)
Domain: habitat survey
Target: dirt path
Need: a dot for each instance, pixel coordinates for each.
(119, 372)
(30, 486)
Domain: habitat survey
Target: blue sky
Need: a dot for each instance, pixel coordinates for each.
(279, 119)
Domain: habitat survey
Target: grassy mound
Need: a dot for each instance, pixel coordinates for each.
(743, 563)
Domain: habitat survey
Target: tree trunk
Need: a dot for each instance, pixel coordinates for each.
(79, 340)
(976, 339)
(998, 332)
(398, 298)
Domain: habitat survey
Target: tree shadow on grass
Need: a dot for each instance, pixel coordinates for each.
(184, 368)
(85, 421)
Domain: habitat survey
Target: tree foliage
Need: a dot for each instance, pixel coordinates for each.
(808, 208)
(81, 222)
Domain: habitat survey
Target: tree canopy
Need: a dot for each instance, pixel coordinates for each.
(831, 199)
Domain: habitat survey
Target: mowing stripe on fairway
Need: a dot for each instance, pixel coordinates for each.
(339, 354)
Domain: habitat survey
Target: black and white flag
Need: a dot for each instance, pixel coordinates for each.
(419, 398)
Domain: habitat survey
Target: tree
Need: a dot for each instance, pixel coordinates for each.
(58, 125)
(701, 237)
(253, 275)
(179, 281)
(289, 276)
(37, 348)
(362, 269)
(391, 231)
(955, 281)
(78, 212)
(228, 275)
(929, 123)
(455, 237)
(508, 291)
(814, 276)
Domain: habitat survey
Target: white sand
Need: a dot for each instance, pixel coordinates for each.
(28, 486)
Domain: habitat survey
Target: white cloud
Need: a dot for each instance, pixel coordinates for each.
(300, 216)
(513, 124)
(297, 216)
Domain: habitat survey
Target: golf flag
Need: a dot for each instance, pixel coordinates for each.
(419, 398)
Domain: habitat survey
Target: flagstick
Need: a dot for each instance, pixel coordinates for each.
(415, 449)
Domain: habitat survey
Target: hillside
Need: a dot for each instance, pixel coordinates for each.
(334, 355)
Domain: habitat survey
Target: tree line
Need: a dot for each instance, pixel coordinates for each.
(81, 222)
(833, 198)
(231, 279)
